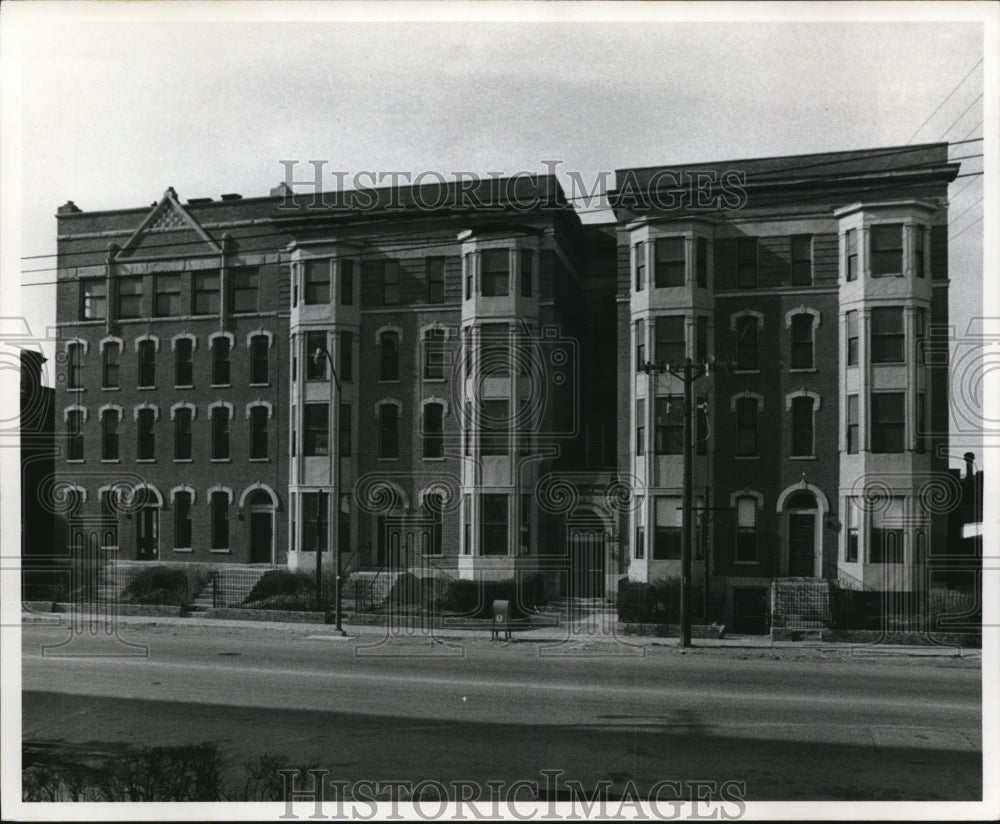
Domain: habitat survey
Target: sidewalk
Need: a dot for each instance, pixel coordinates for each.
(580, 633)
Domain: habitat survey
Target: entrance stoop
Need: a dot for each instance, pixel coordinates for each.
(800, 609)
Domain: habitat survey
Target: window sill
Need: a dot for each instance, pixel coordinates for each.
(145, 460)
(435, 380)
(746, 457)
(183, 460)
(220, 460)
(111, 389)
(146, 388)
(259, 385)
(746, 371)
(746, 563)
(221, 385)
(222, 551)
(388, 460)
(260, 460)
(436, 460)
(387, 380)
(183, 549)
(802, 457)
(804, 370)
(75, 460)
(75, 389)
(186, 386)
(111, 460)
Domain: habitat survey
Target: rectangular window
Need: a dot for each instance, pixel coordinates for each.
(74, 435)
(885, 544)
(344, 431)
(851, 241)
(920, 335)
(220, 361)
(182, 520)
(390, 282)
(667, 536)
(389, 356)
(146, 432)
(746, 530)
(918, 251)
(467, 424)
(853, 430)
(184, 362)
(246, 290)
(94, 299)
(433, 430)
(346, 359)
(435, 280)
(467, 270)
(888, 336)
(640, 345)
(921, 424)
(346, 282)
(182, 434)
(802, 426)
(802, 341)
(669, 425)
(220, 433)
(640, 542)
(746, 343)
(494, 435)
(886, 249)
(258, 432)
(701, 339)
(167, 303)
(640, 266)
(888, 422)
(527, 266)
(147, 364)
(315, 365)
(315, 526)
(802, 260)
(852, 338)
(220, 520)
(316, 282)
(640, 426)
(701, 263)
(669, 343)
(388, 431)
(495, 275)
(434, 354)
(344, 524)
(316, 429)
(206, 293)
(495, 524)
(746, 263)
(669, 262)
(74, 368)
(111, 371)
(494, 350)
(130, 297)
(853, 527)
(109, 435)
(524, 545)
(259, 360)
(746, 426)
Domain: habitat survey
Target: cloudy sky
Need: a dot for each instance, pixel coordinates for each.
(108, 109)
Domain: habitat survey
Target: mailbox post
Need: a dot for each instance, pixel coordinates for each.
(501, 620)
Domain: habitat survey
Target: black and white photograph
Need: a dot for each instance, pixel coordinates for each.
(533, 411)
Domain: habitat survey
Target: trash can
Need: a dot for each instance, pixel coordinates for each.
(501, 619)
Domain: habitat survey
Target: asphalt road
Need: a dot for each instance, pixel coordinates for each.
(809, 728)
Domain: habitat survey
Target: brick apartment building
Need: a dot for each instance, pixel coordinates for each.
(452, 376)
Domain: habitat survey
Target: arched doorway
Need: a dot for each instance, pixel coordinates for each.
(260, 517)
(587, 542)
(803, 514)
(147, 503)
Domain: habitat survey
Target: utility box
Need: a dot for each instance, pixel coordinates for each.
(501, 619)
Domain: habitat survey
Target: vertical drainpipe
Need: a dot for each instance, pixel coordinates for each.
(112, 299)
(223, 281)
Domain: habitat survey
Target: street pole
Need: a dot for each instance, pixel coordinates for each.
(334, 447)
(686, 509)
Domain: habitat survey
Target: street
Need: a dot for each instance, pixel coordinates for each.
(794, 728)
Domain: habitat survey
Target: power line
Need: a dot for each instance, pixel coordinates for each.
(941, 104)
(964, 112)
(980, 123)
(972, 179)
(955, 219)
(963, 231)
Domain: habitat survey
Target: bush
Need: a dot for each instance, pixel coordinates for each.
(656, 603)
(281, 582)
(158, 585)
(474, 599)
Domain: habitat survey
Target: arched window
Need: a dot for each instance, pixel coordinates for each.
(389, 356)
(145, 434)
(434, 507)
(746, 425)
(220, 361)
(220, 416)
(146, 352)
(434, 353)
(388, 430)
(110, 420)
(802, 425)
(259, 360)
(111, 365)
(802, 341)
(183, 531)
(433, 430)
(746, 529)
(74, 364)
(220, 520)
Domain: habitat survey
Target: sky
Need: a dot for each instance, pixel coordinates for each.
(108, 109)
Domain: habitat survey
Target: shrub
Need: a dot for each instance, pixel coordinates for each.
(474, 599)
(281, 582)
(658, 602)
(158, 585)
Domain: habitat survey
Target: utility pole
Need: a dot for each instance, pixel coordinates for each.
(334, 447)
(688, 372)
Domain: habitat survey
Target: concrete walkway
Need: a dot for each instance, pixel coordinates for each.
(598, 629)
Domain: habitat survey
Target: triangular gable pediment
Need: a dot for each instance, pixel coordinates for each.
(168, 231)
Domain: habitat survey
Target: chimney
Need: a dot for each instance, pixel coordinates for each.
(68, 208)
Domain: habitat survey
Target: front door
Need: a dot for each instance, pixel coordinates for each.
(260, 537)
(750, 610)
(147, 533)
(586, 573)
(801, 536)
